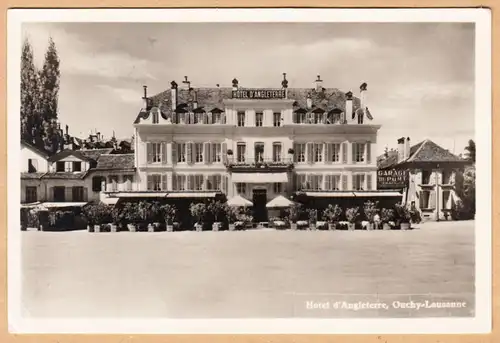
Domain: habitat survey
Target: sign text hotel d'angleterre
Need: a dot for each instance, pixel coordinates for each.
(259, 94)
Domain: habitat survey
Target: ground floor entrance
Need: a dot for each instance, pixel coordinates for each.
(259, 199)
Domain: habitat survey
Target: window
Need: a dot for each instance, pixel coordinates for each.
(60, 166)
(241, 188)
(301, 118)
(113, 183)
(446, 177)
(426, 177)
(128, 180)
(216, 118)
(59, 194)
(278, 187)
(277, 119)
(216, 152)
(259, 152)
(155, 182)
(181, 152)
(276, 152)
(198, 182)
(31, 194)
(318, 152)
(97, 183)
(32, 165)
(300, 182)
(240, 152)
(214, 182)
(358, 150)
(77, 166)
(259, 116)
(358, 182)
(425, 199)
(198, 150)
(446, 200)
(300, 152)
(155, 152)
(77, 193)
(180, 182)
(241, 118)
(156, 116)
(332, 182)
(333, 152)
(314, 182)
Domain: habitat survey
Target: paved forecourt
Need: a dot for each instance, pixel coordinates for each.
(256, 273)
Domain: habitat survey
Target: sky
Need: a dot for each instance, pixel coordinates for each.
(420, 76)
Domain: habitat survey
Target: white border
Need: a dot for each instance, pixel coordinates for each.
(480, 324)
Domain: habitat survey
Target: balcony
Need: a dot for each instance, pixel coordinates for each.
(258, 164)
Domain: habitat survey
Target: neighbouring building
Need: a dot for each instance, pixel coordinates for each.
(34, 164)
(256, 143)
(429, 176)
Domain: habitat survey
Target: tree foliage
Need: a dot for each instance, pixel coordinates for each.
(470, 151)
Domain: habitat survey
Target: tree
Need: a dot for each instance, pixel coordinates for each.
(29, 94)
(49, 83)
(470, 151)
(465, 188)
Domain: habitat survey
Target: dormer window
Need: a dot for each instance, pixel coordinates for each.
(60, 167)
(77, 166)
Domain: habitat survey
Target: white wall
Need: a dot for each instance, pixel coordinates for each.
(26, 154)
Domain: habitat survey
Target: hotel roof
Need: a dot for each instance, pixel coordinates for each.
(115, 162)
(212, 99)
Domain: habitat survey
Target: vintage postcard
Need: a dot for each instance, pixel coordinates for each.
(249, 171)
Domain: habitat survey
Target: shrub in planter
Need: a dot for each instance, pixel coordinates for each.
(332, 215)
(169, 212)
(132, 216)
(403, 216)
(370, 210)
(312, 215)
(116, 219)
(232, 216)
(386, 216)
(294, 213)
(244, 221)
(198, 211)
(352, 215)
(154, 216)
(97, 214)
(218, 209)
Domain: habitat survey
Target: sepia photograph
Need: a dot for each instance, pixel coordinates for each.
(220, 169)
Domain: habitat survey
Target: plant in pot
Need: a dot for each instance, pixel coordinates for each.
(351, 216)
(370, 210)
(386, 216)
(144, 214)
(198, 211)
(155, 216)
(232, 216)
(403, 216)
(116, 219)
(332, 215)
(131, 215)
(168, 211)
(88, 214)
(312, 215)
(218, 209)
(293, 215)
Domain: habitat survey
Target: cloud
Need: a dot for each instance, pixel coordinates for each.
(126, 95)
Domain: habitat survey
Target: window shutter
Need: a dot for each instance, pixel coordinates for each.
(421, 200)
(150, 182)
(174, 182)
(432, 199)
(328, 152)
(68, 196)
(163, 182)
(369, 152)
(295, 152)
(85, 194)
(174, 152)
(189, 153)
(164, 153)
(344, 152)
(149, 149)
(369, 182)
(224, 152)
(328, 182)
(353, 151)
(309, 152)
(191, 118)
(294, 117)
(344, 182)
(206, 154)
(190, 181)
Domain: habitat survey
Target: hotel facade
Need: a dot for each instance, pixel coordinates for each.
(256, 143)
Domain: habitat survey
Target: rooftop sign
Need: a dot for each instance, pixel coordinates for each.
(259, 94)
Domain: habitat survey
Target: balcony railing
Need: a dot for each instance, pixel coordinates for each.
(235, 163)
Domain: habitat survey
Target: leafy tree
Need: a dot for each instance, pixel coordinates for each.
(470, 151)
(49, 83)
(29, 93)
(465, 187)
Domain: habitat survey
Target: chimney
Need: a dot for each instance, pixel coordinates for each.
(362, 95)
(308, 102)
(401, 149)
(67, 128)
(284, 84)
(319, 84)
(187, 83)
(145, 98)
(348, 108)
(235, 84)
(174, 94)
(195, 100)
(407, 148)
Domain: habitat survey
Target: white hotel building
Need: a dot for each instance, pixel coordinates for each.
(257, 143)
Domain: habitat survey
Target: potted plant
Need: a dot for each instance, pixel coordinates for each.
(198, 211)
(370, 210)
(131, 215)
(312, 214)
(217, 208)
(116, 219)
(332, 214)
(154, 216)
(293, 215)
(168, 212)
(232, 216)
(386, 216)
(351, 215)
(403, 216)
